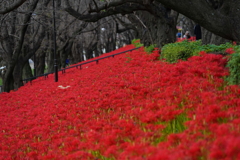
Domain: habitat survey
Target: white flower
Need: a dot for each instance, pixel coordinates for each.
(61, 87)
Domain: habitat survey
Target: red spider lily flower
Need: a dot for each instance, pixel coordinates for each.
(202, 53)
(230, 50)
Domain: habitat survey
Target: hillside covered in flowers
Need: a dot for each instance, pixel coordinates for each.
(131, 106)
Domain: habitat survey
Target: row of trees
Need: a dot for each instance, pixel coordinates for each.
(86, 27)
(26, 32)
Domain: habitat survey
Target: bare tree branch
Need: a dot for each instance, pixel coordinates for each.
(125, 8)
(127, 26)
(12, 7)
(24, 29)
(144, 27)
(219, 16)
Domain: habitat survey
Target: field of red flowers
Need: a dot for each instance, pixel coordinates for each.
(132, 106)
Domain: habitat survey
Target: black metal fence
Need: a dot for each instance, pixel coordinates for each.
(78, 65)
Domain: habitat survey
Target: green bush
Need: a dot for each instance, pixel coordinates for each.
(172, 52)
(236, 48)
(211, 48)
(150, 48)
(234, 69)
(183, 50)
(136, 43)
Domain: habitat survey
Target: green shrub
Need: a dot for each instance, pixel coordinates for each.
(234, 69)
(150, 48)
(172, 52)
(236, 48)
(211, 48)
(183, 50)
(136, 43)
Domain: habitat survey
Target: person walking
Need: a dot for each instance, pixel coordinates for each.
(187, 35)
(179, 34)
(67, 62)
(198, 32)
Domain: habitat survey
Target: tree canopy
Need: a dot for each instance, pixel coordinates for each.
(218, 16)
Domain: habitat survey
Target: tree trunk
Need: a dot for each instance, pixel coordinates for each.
(64, 52)
(98, 50)
(50, 52)
(210, 38)
(77, 52)
(18, 69)
(50, 63)
(155, 30)
(40, 63)
(89, 53)
(27, 71)
(17, 74)
(8, 77)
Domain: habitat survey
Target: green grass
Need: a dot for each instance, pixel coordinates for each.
(0, 81)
